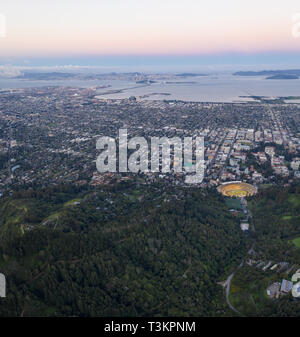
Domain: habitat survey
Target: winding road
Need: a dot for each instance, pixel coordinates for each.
(227, 284)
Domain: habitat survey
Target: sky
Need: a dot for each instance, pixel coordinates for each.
(150, 32)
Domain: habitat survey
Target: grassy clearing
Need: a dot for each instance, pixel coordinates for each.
(294, 200)
(296, 242)
(264, 186)
(71, 202)
(233, 203)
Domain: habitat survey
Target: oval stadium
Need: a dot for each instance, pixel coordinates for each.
(237, 189)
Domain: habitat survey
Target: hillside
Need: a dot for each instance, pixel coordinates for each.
(276, 214)
(122, 251)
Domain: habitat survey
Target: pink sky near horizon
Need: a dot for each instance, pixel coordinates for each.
(65, 27)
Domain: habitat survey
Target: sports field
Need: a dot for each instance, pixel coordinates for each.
(237, 189)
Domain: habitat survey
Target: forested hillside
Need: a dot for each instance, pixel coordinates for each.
(116, 251)
(276, 215)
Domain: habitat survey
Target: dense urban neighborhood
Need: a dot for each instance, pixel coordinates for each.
(49, 134)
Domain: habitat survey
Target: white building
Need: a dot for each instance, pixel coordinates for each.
(244, 226)
(270, 150)
(286, 286)
(2, 286)
(296, 290)
(295, 165)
